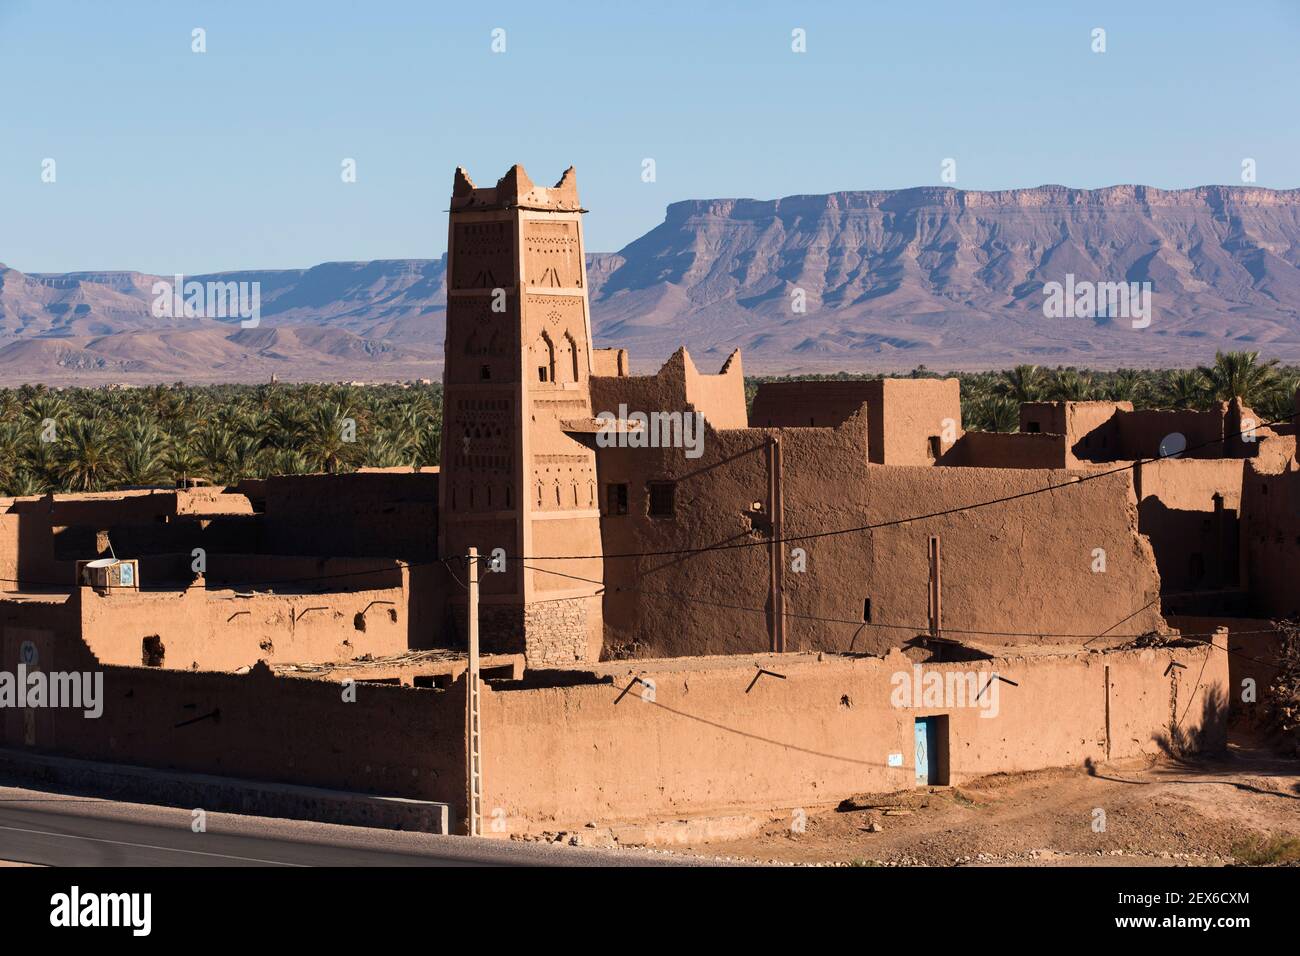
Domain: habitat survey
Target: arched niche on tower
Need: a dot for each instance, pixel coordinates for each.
(542, 358)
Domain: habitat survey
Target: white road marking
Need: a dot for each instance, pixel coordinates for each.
(150, 846)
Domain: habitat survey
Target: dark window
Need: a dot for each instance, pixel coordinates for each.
(935, 448)
(541, 373)
(866, 610)
(485, 373)
(616, 499)
(661, 499)
(1033, 427)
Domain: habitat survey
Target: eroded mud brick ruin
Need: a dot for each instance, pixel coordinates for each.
(777, 583)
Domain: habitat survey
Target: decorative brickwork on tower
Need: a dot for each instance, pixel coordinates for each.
(518, 365)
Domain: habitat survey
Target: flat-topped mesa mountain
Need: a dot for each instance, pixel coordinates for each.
(951, 278)
(888, 279)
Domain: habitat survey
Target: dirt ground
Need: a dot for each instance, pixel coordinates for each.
(1158, 811)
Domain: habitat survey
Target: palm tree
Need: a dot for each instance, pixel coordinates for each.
(180, 461)
(1279, 405)
(287, 461)
(214, 447)
(24, 483)
(142, 447)
(1240, 375)
(1184, 388)
(245, 452)
(40, 458)
(995, 414)
(1024, 383)
(428, 450)
(1069, 385)
(86, 457)
(44, 408)
(1125, 385)
(332, 430)
(11, 444)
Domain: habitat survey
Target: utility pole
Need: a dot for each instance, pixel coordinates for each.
(473, 753)
(936, 588)
(776, 548)
(778, 533)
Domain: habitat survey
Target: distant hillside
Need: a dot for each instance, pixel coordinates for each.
(341, 320)
(892, 279)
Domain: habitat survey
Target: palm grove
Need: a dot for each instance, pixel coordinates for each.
(104, 439)
(990, 401)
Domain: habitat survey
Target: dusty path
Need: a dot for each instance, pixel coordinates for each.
(1157, 811)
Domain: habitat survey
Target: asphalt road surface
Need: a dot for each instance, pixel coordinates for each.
(59, 829)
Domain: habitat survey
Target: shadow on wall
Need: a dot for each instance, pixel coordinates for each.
(1194, 550)
(1211, 736)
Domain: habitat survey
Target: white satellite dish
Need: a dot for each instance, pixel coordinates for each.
(102, 563)
(1173, 445)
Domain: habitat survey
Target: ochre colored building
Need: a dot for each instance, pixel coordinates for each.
(769, 571)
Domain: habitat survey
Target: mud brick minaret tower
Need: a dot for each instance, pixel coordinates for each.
(518, 467)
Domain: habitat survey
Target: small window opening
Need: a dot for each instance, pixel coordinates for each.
(661, 499)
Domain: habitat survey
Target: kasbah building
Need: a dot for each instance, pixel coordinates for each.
(837, 591)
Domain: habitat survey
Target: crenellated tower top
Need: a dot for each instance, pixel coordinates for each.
(515, 190)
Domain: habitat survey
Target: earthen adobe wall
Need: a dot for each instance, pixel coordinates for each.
(1022, 567)
(713, 738)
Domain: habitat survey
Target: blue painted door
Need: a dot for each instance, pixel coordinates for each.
(924, 738)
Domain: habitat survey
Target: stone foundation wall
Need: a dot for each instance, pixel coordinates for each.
(546, 631)
(556, 632)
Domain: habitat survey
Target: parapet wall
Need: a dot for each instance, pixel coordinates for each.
(365, 514)
(224, 630)
(1002, 450)
(809, 404)
(677, 386)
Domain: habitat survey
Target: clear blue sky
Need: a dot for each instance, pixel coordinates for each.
(168, 160)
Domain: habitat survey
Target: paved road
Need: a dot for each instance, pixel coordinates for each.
(57, 829)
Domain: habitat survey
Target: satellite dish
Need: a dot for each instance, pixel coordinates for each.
(1173, 445)
(102, 563)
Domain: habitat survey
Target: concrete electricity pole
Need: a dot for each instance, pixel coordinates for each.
(473, 753)
(936, 587)
(776, 547)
